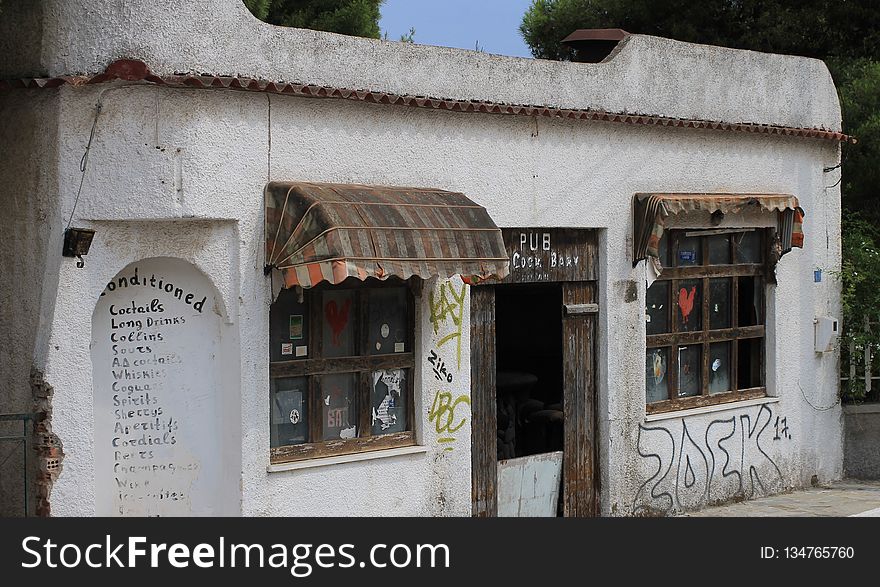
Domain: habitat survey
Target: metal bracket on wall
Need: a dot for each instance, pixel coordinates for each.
(580, 309)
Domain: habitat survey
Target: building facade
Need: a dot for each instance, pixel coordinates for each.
(634, 284)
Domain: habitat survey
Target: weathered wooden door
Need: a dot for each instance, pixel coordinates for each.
(579, 478)
(484, 434)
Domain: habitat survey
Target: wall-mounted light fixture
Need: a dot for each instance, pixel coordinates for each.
(77, 242)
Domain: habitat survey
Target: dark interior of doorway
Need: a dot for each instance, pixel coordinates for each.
(528, 341)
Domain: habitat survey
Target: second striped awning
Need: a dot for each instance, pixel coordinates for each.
(329, 232)
(650, 213)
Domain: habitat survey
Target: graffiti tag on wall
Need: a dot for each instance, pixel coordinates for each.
(440, 371)
(693, 466)
(447, 309)
(443, 414)
(449, 410)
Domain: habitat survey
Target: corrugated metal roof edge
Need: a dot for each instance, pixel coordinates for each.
(133, 70)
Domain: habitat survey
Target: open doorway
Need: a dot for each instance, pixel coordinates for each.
(529, 369)
(529, 396)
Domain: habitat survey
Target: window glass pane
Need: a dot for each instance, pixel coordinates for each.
(719, 367)
(288, 328)
(689, 251)
(387, 322)
(719, 249)
(289, 418)
(657, 308)
(339, 405)
(748, 246)
(338, 317)
(663, 249)
(388, 401)
(690, 362)
(719, 303)
(749, 373)
(656, 362)
(689, 305)
(749, 301)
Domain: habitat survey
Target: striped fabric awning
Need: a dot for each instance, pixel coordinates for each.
(329, 232)
(650, 212)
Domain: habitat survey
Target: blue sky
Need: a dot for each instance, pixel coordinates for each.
(459, 23)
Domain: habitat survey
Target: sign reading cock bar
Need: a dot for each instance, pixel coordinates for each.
(540, 255)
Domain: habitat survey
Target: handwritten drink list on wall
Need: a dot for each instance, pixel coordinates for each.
(149, 406)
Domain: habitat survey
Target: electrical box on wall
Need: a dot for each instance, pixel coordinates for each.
(827, 331)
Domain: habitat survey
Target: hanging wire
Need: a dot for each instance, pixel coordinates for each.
(809, 403)
(269, 138)
(83, 163)
(837, 183)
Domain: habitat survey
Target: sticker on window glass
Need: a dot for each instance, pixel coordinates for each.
(338, 324)
(659, 367)
(296, 327)
(388, 410)
(386, 321)
(340, 406)
(289, 418)
(686, 303)
(286, 348)
(689, 256)
(302, 351)
(716, 364)
(398, 347)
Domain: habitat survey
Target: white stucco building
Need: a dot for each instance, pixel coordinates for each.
(187, 115)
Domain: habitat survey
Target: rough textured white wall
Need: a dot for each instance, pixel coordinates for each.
(649, 75)
(29, 222)
(29, 257)
(444, 361)
(161, 156)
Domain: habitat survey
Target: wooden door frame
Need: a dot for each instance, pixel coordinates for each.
(580, 464)
(484, 412)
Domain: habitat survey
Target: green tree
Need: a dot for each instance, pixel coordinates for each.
(259, 8)
(858, 84)
(860, 280)
(359, 18)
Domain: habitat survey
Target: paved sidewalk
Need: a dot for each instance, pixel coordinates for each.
(842, 498)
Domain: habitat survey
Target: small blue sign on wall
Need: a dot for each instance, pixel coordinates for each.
(689, 256)
(817, 275)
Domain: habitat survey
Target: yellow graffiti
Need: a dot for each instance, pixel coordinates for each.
(442, 414)
(449, 305)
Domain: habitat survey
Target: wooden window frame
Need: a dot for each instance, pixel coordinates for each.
(705, 337)
(361, 365)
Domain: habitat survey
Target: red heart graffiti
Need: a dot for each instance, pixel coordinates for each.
(686, 303)
(337, 318)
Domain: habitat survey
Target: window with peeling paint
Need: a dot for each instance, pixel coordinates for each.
(705, 319)
(340, 368)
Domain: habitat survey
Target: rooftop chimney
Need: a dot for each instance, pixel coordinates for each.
(593, 45)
